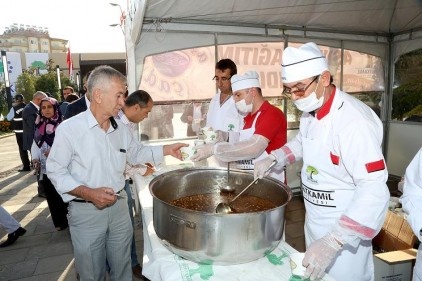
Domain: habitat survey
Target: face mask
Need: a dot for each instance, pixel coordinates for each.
(311, 102)
(244, 108)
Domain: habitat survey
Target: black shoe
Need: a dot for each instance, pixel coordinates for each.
(12, 237)
(24, 169)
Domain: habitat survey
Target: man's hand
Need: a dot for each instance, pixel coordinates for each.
(37, 165)
(101, 197)
(203, 151)
(150, 169)
(174, 149)
(320, 255)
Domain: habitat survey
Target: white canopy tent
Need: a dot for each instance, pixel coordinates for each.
(383, 28)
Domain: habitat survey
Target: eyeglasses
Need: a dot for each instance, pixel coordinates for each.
(287, 92)
(222, 79)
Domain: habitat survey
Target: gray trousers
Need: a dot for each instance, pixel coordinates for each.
(100, 235)
(7, 221)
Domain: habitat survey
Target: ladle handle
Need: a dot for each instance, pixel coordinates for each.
(254, 181)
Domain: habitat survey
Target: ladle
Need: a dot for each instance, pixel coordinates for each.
(228, 188)
(224, 208)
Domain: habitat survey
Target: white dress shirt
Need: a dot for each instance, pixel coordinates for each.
(84, 154)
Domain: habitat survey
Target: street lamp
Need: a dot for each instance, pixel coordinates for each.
(6, 79)
(116, 5)
(122, 17)
(122, 22)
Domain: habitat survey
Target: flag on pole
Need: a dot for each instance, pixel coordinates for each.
(69, 62)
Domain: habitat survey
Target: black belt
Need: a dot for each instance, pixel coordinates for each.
(85, 201)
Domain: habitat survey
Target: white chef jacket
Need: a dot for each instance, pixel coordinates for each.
(220, 117)
(412, 205)
(343, 174)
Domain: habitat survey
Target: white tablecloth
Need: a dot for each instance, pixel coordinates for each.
(161, 264)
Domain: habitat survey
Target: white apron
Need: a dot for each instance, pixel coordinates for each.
(326, 198)
(246, 134)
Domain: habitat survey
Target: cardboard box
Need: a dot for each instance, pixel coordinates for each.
(395, 254)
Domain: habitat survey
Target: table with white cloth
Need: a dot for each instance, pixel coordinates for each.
(161, 264)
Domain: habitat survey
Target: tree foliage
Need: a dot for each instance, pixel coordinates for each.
(29, 82)
(25, 85)
(406, 99)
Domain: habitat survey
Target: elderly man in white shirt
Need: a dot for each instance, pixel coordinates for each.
(86, 165)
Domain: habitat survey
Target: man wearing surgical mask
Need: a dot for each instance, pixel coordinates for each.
(343, 175)
(264, 130)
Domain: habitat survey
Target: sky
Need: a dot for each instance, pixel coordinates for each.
(85, 23)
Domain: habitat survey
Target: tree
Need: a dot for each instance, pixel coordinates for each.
(25, 85)
(3, 101)
(405, 99)
(29, 82)
(48, 83)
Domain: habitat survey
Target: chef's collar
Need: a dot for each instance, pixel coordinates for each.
(325, 108)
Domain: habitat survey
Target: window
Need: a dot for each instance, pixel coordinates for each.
(407, 97)
(177, 78)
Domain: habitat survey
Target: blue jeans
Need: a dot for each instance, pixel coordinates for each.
(133, 255)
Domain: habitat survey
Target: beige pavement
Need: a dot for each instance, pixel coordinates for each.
(9, 153)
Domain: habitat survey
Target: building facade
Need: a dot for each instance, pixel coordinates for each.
(30, 39)
(25, 43)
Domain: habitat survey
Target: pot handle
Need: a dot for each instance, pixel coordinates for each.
(182, 221)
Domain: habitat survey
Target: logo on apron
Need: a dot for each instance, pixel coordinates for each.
(311, 173)
(230, 127)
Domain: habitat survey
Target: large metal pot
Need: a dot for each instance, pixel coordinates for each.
(221, 239)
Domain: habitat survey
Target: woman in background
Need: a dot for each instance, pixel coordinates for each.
(49, 117)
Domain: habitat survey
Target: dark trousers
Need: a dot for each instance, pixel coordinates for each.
(58, 209)
(22, 153)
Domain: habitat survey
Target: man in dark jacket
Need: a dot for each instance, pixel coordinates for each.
(79, 105)
(29, 114)
(76, 107)
(15, 115)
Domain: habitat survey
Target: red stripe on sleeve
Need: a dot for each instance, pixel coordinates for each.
(375, 166)
(334, 159)
(356, 227)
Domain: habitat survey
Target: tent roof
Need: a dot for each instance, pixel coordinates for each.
(365, 16)
(158, 26)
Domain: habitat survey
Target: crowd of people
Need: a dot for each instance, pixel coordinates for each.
(86, 162)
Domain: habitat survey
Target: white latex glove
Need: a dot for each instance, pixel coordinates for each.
(222, 136)
(203, 151)
(261, 167)
(319, 256)
(246, 149)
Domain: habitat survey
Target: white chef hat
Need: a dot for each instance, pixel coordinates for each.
(248, 80)
(302, 63)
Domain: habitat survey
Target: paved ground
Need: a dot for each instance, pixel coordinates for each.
(43, 253)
